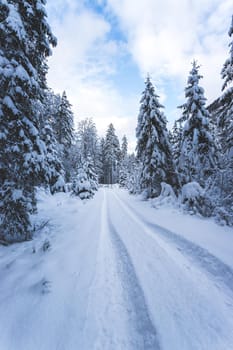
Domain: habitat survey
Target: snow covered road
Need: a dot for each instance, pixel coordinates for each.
(113, 279)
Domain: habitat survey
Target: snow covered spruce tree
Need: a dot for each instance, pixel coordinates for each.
(197, 160)
(55, 174)
(225, 120)
(63, 125)
(225, 131)
(91, 173)
(153, 146)
(123, 167)
(134, 173)
(227, 71)
(111, 156)
(54, 178)
(101, 160)
(176, 139)
(85, 183)
(25, 43)
(64, 122)
(87, 138)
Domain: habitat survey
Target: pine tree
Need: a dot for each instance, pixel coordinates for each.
(87, 138)
(64, 122)
(176, 139)
(85, 183)
(101, 160)
(91, 173)
(111, 156)
(55, 174)
(224, 112)
(134, 173)
(124, 148)
(81, 186)
(123, 166)
(153, 147)
(73, 160)
(54, 177)
(227, 71)
(25, 44)
(89, 145)
(49, 109)
(225, 120)
(198, 152)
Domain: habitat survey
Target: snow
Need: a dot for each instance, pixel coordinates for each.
(17, 194)
(217, 240)
(3, 136)
(7, 101)
(60, 183)
(14, 21)
(21, 73)
(115, 273)
(191, 190)
(167, 196)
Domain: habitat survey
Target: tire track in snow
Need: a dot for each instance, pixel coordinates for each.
(202, 257)
(117, 316)
(134, 296)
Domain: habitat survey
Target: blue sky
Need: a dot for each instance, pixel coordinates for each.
(107, 47)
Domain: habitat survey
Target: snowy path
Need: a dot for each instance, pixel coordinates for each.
(197, 254)
(190, 310)
(117, 313)
(113, 279)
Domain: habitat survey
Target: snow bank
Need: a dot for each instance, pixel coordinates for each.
(195, 200)
(167, 197)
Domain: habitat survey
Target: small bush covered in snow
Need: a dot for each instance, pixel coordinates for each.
(166, 197)
(59, 185)
(195, 200)
(85, 184)
(82, 186)
(224, 216)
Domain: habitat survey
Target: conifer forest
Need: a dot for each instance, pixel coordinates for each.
(102, 247)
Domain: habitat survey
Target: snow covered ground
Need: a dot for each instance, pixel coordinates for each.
(115, 273)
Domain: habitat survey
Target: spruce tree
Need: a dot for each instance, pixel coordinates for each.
(124, 148)
(101, 161)
(55, 174)
(111, 156)
(63, 129)
(64, 123)
(153, 146)
(176, 139)
(73, 160)
(198, 151)
(227, 70)
(225, 119)
(54, 177)
(25, 43)
(123, 167)
(85, 183)
(91, 173)
(134, 174)
(224, 112)
(87, 139)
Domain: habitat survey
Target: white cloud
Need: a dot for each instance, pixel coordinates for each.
(164, 36)
(80, 36)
